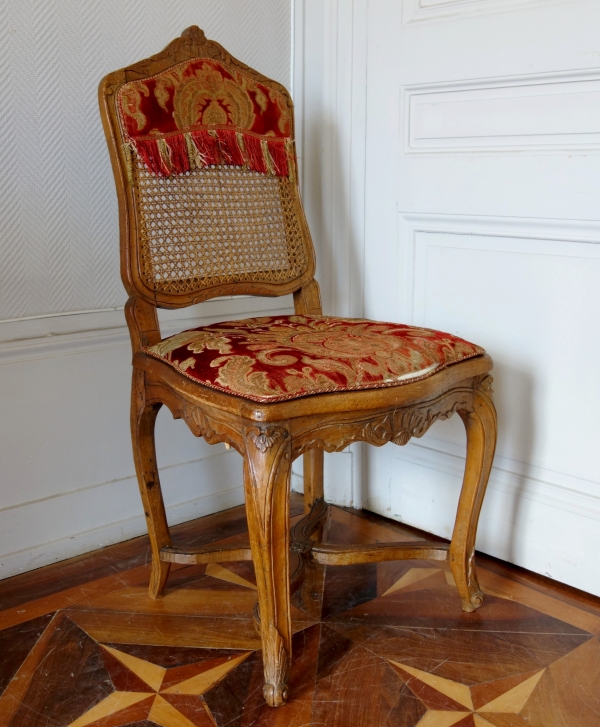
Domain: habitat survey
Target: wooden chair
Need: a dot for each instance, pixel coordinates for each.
(203, 156)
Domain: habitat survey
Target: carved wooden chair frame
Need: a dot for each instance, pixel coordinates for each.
(271, 436)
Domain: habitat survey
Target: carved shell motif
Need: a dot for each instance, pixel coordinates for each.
(265, 439)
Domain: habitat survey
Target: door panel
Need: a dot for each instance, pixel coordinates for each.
(481, 218)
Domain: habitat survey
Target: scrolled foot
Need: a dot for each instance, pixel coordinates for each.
(276, 695)
(474, 600)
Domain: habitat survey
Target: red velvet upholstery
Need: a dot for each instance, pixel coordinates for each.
(228, 118)
(286, 357)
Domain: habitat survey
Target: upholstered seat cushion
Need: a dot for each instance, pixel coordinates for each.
(285, 357)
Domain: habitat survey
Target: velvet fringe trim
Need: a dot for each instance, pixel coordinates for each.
(194, 149)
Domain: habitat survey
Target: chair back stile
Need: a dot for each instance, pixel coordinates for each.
(202, 149)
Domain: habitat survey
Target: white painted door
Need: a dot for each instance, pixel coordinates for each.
(482, 208)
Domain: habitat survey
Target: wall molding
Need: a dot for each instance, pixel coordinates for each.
(51, 336)
(513, 228)
(425, 108)
(419, 11)
(36, 555)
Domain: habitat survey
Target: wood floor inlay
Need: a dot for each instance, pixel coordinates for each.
(375, 645)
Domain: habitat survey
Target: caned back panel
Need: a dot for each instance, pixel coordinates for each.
(214, 230)
(217, 225)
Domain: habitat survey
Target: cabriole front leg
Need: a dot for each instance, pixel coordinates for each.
(481, 444)
(143, 418)
(267, 464)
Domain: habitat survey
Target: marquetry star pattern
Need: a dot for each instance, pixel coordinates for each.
(451, 703)
(388, 645)
(145, 691)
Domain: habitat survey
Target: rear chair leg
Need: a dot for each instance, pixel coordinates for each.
(481, 444)
(143, 418)
(313, 478)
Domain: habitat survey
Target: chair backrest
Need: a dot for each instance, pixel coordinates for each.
(202, 149)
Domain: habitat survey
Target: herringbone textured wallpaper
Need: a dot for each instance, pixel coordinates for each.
(58, 211)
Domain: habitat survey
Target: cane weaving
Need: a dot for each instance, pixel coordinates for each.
(285, 357)
(216, 225)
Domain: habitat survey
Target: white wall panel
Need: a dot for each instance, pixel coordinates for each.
(67, 481)
(58, 218)
(525, 290)
(481, 185)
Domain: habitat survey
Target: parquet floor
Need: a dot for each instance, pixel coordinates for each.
(382, 645)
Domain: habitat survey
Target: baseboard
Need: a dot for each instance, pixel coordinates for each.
(541, 520)
(114, 511)
(518, 479)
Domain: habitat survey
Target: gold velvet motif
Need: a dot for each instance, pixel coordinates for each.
(202, 93)
(285, 357)
(200, 113)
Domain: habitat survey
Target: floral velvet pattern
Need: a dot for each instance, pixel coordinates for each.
(199, 93)
(277, 358)
(200, 113)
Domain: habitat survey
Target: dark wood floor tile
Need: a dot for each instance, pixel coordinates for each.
(440, 608)
(173, 657)
(241, 686)
(487, 692)
(69, 679)
(432, 697)
(16, 689)
(468, 721)
(394, 649)
(122, 678)
(347, 587)
(569, 692)
(308, 598)
(544, 602)
(118, 718)
(110, 561)
(470, 657)
(333, 647)
(357, 687)
(15, 644)
(65, 599)
(298, 711)
(350, 532)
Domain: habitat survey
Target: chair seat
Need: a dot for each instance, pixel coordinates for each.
(278, 358)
